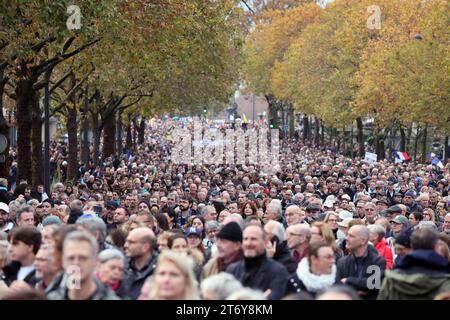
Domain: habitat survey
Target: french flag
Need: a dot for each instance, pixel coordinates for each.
(402, 156)
(436, 161)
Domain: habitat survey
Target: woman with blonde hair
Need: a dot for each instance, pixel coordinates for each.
(321, 232)
(174, 278)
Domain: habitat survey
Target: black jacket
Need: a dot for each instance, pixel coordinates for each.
(283, 255)
(134, 279)
(359, 278)
(102, 292)
(11, 270)
(268, 275)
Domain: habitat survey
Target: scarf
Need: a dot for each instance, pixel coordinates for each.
(313, 282)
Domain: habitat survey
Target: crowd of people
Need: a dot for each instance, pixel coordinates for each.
(321, 226)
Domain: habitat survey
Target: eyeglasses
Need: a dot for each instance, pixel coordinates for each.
(295, 234)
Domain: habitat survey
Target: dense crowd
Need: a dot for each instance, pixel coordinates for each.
(319, 226)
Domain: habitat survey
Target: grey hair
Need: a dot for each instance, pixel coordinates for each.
(22, 210)
(82, 236)
(238, 217)
(428, 224)
(278, 229)
(76, 205)
(221, 285)
(376, 228)
(247, 294)
(93, 225)
(110, 254)
(275, 208)
(211, 225)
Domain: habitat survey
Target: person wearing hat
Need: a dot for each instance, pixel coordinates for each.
(194, 236)
(229, 250)
(409, 201)
(396, 198)
(420, 275)
(343, 225)
(398, 224)
(393, 211)
(402, 246)
(5, 224)
(312, 212)
(382, 205)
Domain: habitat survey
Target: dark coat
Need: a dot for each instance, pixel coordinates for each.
(134, 279)
(422, 274)
(271, 275)
(11, 270)
(347, 268)
(102, 292)
(283, 255)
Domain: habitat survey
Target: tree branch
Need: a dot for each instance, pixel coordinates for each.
(60, 81)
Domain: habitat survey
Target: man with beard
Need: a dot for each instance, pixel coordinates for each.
(257, 271)
(186, 211)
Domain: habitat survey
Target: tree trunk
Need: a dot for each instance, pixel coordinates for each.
(273, 110)
(402, 140)
(408, 138)
(86, 127)
(446, 149)
(305, 128)
(359, 125)
(129, 141)
(380, 145)
(72, 163)
(4, 130)
(24, 93)
(37, 159)
(96, 136)
(323, 135)
(291, 122)
(141, 135)
(316, 135)
(424, 143)
(109, 136)
(119, 133)
(416, 142)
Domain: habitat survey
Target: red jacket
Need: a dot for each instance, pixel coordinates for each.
(385, 251)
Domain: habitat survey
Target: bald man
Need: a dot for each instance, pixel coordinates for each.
(362, 262)
(294, 215)
(140, 250)
(298, 237)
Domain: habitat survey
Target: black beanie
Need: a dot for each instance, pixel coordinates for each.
(231, 231)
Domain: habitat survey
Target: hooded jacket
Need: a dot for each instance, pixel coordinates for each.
(420, 275)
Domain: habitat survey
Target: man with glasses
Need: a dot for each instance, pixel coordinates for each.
(294, 215)
(371, 213)
(298, 237)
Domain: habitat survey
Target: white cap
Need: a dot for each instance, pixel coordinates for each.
(346, 197)
(344, 214)
(4, 207)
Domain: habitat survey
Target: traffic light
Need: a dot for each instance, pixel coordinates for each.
(205, 110)
(271, 124)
